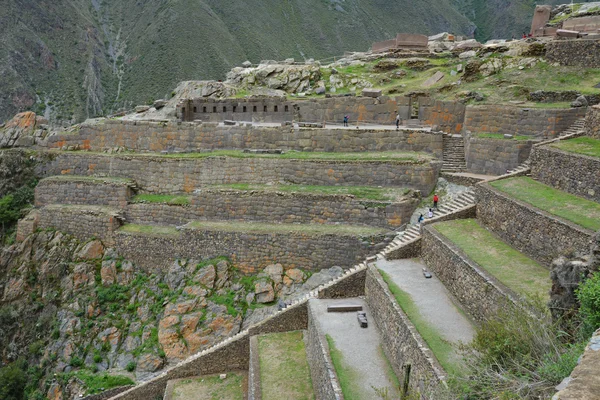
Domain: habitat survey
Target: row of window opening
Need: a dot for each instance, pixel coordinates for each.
(244, 109)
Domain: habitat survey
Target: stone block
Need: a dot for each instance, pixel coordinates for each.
(567, 33)
(367, 92)
(438, 76)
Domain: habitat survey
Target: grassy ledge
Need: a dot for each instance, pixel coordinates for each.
(578, 210)
(346, 375)
(177, 200)
(582, 145)
(443, 350)
(283, 359)
(150, 230)
(210, 387)
(90, 179)
(309, 229)
(487, 135)
(511, 267)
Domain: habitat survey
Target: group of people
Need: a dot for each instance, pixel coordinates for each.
(436, 200)
(346, 119)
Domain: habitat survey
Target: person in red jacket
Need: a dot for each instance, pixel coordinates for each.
(435, 201)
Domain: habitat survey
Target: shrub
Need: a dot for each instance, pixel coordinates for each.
(130, 366)
(76, 362)
(12, 382)
(588, 295)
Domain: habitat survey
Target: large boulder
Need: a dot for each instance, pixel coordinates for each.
(23, 130)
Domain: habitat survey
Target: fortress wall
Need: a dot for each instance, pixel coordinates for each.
(401, 341)
(275, 207)
(156, 174)
(478, 293)
(189, 137)
(570, 172)
(448, 116)
(324, 378)
(583, 53)
(536, 233)
(81, 222)
(495, 156)
(55, 191)
(257, 110)
(520, 121)
(250, 251)
(592, 122)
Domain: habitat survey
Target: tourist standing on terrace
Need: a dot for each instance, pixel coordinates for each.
(436, 199)
(397, 121)
(345, 120)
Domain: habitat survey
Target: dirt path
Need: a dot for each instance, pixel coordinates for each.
(360, 349)
(431, 298)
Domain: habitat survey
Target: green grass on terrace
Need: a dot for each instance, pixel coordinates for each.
(210, 387)
(162, 198)
(361, 192)
(309, 229)
(347, 376)
(514, 269)
(150, 230)
(582, 145)
(282, 358)
(442, 349)
(578, 210)
(487, 135)
(93, 179)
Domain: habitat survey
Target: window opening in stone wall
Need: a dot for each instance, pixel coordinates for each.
(203, 109)
(195, 109)
(183, 112)
(224, 109)
(265, 108)
(287, 108)
(254, 109)
(234, 108)
(244, 109)
(215, 109)
(275, 108)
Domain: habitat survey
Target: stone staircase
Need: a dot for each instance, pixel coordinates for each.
(463, 201)
(454, 154)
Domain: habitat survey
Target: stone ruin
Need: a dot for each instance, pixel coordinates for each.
(402, 41)
(567, 21)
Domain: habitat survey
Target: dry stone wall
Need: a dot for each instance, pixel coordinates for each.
(592, 122)
(573, 173)
(534, 232)
(583, 53)
(401, 341)
(82, 192)
(520, 121)
(478, 293)
(447, 116)
(495, 156)
(143, 136)
(83, 222)
(278, 207)
(156, 174)
(250, 251)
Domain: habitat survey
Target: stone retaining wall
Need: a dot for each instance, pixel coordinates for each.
(520, 121)
(324, 379)
(447, 116)
(538, 234)
(570, 172)
(156, 174)
(250, 251)
(592, 122)
(495, 156)
(83, 222)
(583, 53)
(142, 136)
(275, 207)
(401, 341)
(254, 387)
(479, 294)
(82, 192)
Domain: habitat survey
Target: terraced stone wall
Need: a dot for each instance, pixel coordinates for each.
(81, 222)
(520, 121)
(447, 116)
(250, 251)
(144, 136)
(592, 122)
(61, 191)
(381, 110)
(275, 207)
(478, 293)
(536, 233)
(495, 156)
(324, 379)
(573, 173)
(216, 110)
(583, 53)
(157, 174)
(401, 341)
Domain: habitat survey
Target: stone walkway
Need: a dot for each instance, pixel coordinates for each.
(431, 297)
(360, 347)
(362, 126)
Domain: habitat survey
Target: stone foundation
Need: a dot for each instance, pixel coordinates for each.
(573, 173)
(156, 174)
(401, 341)
(495, 156)
(534, 232)
(479, 294)
(583, 53)
(592, 122)
(56, 190)
(250, 251)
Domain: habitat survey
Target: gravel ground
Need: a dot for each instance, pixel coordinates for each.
(360, 346)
